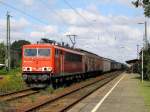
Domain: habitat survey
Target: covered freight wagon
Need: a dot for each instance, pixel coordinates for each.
(106, 65)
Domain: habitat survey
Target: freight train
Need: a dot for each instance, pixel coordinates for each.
(41, 63)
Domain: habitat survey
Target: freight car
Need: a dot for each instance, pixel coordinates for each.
(92, 62)
(116, 66)
(41, 63)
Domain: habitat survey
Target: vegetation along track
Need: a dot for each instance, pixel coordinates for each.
(70, 96)
(17, 94)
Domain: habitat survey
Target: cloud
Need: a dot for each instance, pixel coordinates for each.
(104, 35)
(23, 29)
(28, 2)
(20, 24)
(100, 34)
(17, 27)
(37, 34)
(123, 2)
(47, 31)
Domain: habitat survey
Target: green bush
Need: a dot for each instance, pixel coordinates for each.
(12, 81)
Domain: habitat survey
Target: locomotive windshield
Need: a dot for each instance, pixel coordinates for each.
(43, 52)
(37, 52)
(30, 52)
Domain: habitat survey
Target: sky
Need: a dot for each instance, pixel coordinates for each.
(107, 28)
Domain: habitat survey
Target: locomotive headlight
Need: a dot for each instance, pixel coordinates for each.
(27, 69)
(47, 69)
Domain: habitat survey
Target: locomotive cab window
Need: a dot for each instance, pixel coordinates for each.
(30, 52)
(43, 52)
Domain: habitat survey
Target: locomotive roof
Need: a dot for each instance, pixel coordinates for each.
(69, 49)
(55, 46)
(77, 51)
(30, 45)
(84, 51)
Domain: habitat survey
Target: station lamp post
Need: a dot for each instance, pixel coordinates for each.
(145, 44)
(145, 35)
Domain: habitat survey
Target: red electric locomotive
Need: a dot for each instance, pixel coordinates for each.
(41, 61)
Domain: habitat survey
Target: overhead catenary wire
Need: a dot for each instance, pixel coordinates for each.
(57, 14)
(23, 12)
(54, 12)
(84, 18)
(75, 11)
(79, 14)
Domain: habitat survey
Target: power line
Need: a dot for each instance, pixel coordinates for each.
(23, 12)
(75, 10)
(83, 18)
(53, 11)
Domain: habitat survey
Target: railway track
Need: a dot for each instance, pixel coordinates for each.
(70, 96)
(18, 94)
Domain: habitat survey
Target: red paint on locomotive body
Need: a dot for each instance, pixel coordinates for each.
(34, 62)
(41, 61)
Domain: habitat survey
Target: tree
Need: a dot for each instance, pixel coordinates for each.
(16, 52)
(145, 4)
(17, 45)
(146, 63)
(2, 53)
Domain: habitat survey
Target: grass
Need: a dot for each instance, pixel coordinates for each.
(47, 91)
(145, 92)
(33, 98)
(12, 81)
(11, 72)
(3, 72)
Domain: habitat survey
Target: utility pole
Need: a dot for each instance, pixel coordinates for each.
(137, 51)
(142, 64)
(145, 35)
(8, 58)
(72, 39)
(146, 41)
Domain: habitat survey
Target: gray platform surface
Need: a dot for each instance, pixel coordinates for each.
(125, 97)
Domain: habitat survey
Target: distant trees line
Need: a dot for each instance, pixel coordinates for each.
(15, 51)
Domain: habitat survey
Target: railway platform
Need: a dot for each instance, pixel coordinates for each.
(120, 95)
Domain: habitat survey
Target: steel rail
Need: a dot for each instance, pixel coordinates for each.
(48, 101)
